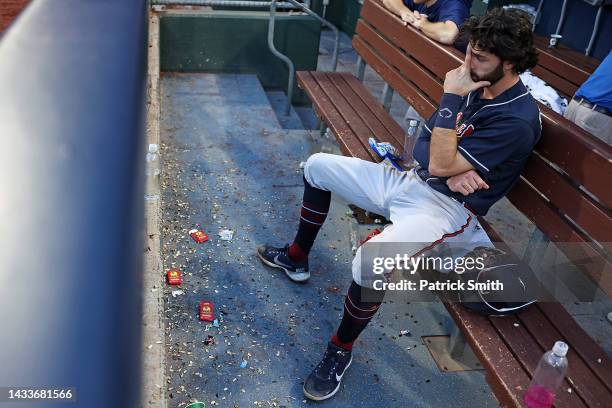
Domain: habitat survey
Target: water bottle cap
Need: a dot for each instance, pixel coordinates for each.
(414, 122)
(560, 349)
(153, 148)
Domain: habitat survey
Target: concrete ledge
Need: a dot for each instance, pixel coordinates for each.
(153, 334)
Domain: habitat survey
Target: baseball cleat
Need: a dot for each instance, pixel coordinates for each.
(325, 379)
(278, 258)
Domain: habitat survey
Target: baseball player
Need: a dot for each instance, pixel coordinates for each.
(471, 152)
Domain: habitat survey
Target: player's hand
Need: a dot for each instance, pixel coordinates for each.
(466, 183)
(417, 19)
(407, 16)
(459, 80)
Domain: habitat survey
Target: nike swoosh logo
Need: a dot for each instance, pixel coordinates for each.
(339, 377)
(276, 261)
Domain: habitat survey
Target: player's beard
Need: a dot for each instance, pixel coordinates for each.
(492, 77)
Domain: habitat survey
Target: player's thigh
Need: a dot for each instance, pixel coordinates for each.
(357, 181)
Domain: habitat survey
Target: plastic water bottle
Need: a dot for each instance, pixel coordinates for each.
(548, 377)
(152, 171)
(409, 141)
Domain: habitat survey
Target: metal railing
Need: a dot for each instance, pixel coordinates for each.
(71, 169)
(286, 59)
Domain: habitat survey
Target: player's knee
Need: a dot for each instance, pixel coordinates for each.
(315, 166)
(362, 276)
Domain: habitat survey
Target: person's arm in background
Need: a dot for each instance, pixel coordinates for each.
(398, 8)
(444, 32)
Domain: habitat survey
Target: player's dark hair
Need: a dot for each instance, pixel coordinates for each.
(504, 33)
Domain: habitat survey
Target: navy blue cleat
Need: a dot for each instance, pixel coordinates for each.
(324, 381)
(278, 258)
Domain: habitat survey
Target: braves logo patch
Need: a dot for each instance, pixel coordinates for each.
(462, 129)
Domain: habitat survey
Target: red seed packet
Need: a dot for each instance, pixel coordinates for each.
(198, 236)
(174, 277)
(206, 311)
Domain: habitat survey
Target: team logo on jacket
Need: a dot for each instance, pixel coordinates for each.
(462, 129)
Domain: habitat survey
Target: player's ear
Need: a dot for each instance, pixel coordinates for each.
(508, 66)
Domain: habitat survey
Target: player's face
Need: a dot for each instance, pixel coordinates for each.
(485, 66)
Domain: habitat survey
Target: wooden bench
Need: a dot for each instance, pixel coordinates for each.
(553, 197)
(562, 68)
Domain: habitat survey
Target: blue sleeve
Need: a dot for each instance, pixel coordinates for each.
(455, 11)
(491, 145)
(409, 4)
(420, 151)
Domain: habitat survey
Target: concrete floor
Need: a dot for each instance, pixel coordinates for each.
(231, 160)
(227, 163)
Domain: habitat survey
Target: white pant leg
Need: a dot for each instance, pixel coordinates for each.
(365, 184)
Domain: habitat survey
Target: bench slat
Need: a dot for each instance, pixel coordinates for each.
(375, 126)
(583, 344)
(587, 383)
(415, 98)
(509, 383)
(326, 110)
(581, 155)
(346, 110)
(392, 126)
(547, 219)
(528, 352)
(414, 72)
(566, 62)
(570, 200)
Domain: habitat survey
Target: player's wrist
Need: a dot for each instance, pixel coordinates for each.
(448, 110)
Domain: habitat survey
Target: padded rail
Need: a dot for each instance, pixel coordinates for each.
(72, 81)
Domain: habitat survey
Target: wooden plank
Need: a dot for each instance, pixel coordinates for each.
(581, 155)
(583, 380)
(505, 375)
(376, 128)
(528, 352)
(352, 118)
(412, 70)
(436, 57)
(559, 230)
(375, 106)
(326, 110)
(569, 199)
(415, 98)
(567, 63)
